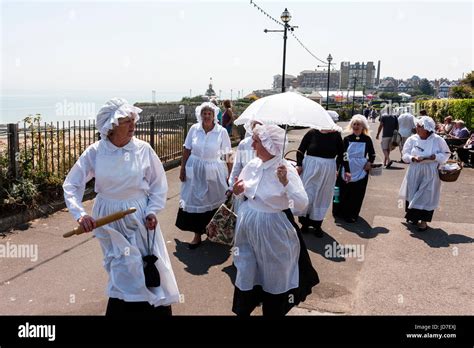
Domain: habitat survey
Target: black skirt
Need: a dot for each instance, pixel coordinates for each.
(117, 308)
(416, 215)
(245, 302)
(194, 222)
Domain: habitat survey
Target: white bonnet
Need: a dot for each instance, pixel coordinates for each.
(427, 123)
(272, 138)
(110, 113)
(209, 105)
(248, 126)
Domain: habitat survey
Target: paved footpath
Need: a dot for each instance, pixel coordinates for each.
(385, 267)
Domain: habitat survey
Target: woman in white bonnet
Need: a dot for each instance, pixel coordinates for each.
(273, 265)
(127, 173)
(205, 169)
(244, 154)
(421, 186)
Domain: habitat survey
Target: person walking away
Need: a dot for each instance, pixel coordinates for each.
(406, 128)
(388, 123)
(319, 155)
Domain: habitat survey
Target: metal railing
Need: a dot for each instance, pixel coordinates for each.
(54, 147)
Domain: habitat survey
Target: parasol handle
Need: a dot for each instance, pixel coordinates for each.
(102, 221)
(284, 142)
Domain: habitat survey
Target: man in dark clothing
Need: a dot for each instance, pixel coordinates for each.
(389, 123)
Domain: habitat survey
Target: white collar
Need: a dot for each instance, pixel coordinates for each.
(214, 129)
(129, 146)
(271, 162)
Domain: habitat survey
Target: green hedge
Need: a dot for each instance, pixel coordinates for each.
(459, 109)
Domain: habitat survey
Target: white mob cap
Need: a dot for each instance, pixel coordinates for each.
(112, 111)
(427, 123)
(272, 138)
(210, 106)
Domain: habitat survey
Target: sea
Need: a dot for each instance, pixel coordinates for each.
(69, 105)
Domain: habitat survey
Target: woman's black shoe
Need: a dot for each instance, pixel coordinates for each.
(304, 229)
(350, 220)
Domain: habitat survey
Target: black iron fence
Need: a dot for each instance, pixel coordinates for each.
(54, 147)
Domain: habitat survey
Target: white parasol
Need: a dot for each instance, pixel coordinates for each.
(290, 109)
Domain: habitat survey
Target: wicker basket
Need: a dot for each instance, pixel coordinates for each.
(450, 175)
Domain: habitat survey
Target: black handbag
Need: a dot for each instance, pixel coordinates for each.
(152, 276)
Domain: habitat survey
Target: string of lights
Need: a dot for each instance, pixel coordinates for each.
(265, 13)
(311, 53)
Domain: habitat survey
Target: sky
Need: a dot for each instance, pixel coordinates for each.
(175, 47)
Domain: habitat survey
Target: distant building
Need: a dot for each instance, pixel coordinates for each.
(444, 88)
(260, 93)
(387, 84)
(405, 87)
(318, 79)
(363, 72)
(210, 91)
(290, 81)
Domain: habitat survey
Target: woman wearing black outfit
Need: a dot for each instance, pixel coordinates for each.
(317, 164)
(352, 181)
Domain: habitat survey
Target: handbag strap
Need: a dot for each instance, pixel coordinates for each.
(229, 203)
(150, 250)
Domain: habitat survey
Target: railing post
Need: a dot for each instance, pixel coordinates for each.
(152, 132)
(185, 125)
(13, 149)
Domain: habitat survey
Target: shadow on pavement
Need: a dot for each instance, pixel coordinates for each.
(392, 167)
(231, 271)
(362, 228)
(198, 261)
(327, 247)
(437, 237)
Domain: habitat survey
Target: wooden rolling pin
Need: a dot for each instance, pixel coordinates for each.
(102, 221)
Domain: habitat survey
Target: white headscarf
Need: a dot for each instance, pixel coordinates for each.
(272, 138)
(110, 113)
(427, 123)
(209, 105)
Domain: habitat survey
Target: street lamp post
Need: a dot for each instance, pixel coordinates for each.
(329, 78)
(285, 17)
(353, 95)
(329, 59)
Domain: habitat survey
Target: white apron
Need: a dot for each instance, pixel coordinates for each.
(205, 186)
(319, 179)
(357, 160)
(421, 185)
(124, 242)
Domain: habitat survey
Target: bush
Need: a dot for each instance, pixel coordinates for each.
(462, 109)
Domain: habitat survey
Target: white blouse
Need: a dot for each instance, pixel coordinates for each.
(244, 154)
(433, 145)
(143, 175)
(209, 146)
(266, 193)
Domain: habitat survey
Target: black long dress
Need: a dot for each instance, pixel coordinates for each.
(352, 193)
(323, 145)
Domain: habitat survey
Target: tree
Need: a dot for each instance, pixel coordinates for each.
(461, 92)
(426, 88)
(468, 80)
